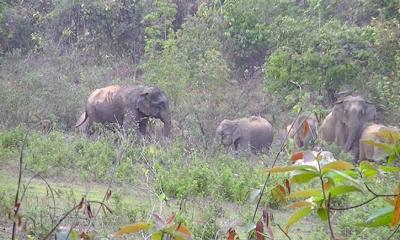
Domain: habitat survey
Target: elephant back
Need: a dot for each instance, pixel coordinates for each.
(261, 133)
(106, 94)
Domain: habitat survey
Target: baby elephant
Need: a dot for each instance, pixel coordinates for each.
(368, 151)
(251, 134)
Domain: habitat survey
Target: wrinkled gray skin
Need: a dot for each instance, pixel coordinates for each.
(302, 138)
(344, 124)
(127, 107)
(252, 134)
(370, 152)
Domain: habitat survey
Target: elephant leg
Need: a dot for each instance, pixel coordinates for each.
(340, 134)
(361, 152)
(355, 153)
(143, 126)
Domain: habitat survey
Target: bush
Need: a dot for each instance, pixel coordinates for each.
(10, 140)
(219, 177)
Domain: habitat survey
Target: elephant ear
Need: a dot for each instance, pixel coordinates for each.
(338, 110)
(370, 112)
(143, 103)
(236, 133)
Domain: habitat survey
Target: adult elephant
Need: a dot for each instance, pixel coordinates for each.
(303, 130)
(252, 134)
(127, 106)
(344, 124)
(368, 151)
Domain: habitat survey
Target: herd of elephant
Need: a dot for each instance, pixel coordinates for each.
(349, 123)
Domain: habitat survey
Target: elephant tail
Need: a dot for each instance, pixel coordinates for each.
(78, 124)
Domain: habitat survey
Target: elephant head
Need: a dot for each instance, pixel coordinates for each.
(152, 102)
(352, 112)
(229, 132)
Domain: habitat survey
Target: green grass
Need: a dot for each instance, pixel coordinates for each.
(209, 193)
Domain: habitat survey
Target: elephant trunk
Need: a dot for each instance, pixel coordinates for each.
(354, 134)
(166, 119)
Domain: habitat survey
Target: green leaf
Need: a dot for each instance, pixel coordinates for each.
(391, 159)
(390, 168)
(322, 213)
(312, 192)
(382, 217)
(301, 204)
(391, 135)
(368, 169)
(156, 236)
(302, 213)
(342, 175)
(279, 193)
(290, 168)
(132, 228)
(386, 147)
(337, 165)
(342, 189)
(303, 177)
(181, 233)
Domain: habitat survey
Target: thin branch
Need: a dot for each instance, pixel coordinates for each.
(78, 206)
(355, 206)
(377, 194)
(17, 202)
(328, 205)
(283, 145)
(391, 235)
(280, 228)
(107, 193)
(48, 186)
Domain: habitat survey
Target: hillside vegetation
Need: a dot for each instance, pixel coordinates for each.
(214, 60)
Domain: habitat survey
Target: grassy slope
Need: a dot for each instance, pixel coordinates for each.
(133, 199)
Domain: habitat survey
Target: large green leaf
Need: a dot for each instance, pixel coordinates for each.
(179, 232)
(132, 228)
(301, 204)
(337, 165)
(388, 148)
(303, 177)
(312, 192)
(391, 135)
(290, 168)
(302, 213)
(338, 176)
(322, 213)
(368, 169)
(390, 168)
(342, 189)
(381, 217)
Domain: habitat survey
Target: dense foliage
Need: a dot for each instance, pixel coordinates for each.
(59, 51)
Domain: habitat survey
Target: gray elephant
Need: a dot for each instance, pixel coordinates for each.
(370, 152)
(127, 106)
(252, 134)
(302, 134)
(344, 124)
